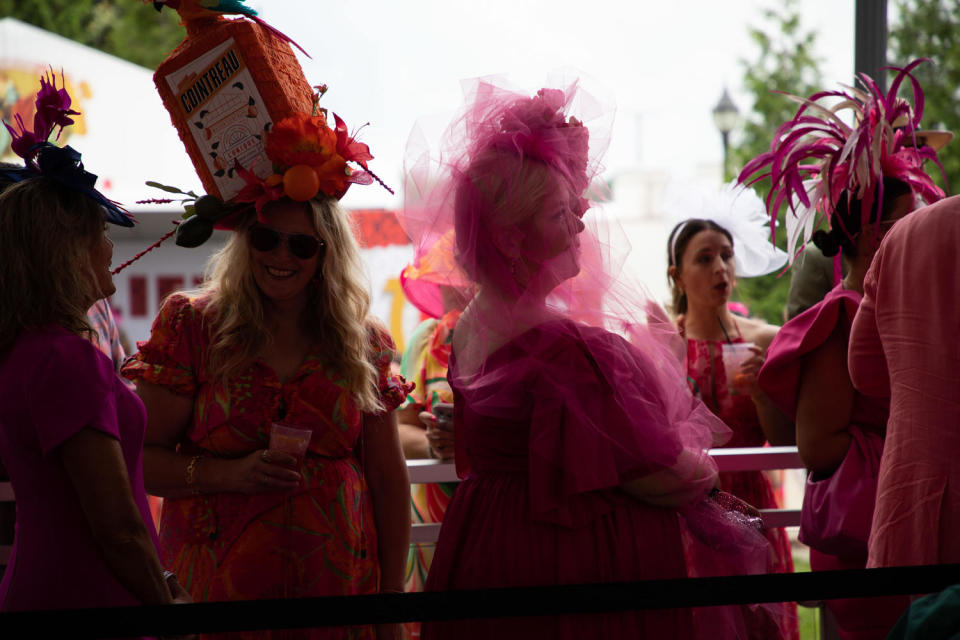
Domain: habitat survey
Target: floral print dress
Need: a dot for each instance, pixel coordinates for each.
(708, 380)
(317, 540)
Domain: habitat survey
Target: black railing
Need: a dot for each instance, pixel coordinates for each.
(481, 603)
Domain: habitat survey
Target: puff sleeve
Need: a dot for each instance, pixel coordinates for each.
(173, 356)
(602, 413)
(391, 388)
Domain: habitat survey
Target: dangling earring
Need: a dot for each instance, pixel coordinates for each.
(513, 268)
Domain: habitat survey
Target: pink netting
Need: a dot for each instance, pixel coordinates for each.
(563, 367)
(522, 174)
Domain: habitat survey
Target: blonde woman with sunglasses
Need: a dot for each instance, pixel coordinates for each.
(272, 435)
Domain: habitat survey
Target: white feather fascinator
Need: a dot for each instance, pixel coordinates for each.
(737, 209)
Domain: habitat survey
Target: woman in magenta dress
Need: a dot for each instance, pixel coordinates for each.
(71, 432)
(806, 372)
(579, 449)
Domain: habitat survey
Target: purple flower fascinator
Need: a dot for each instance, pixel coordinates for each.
(42, 158)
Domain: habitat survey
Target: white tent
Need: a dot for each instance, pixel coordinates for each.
(126, 138)
(123, 132)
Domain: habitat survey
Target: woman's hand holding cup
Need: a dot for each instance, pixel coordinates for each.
(262, 471)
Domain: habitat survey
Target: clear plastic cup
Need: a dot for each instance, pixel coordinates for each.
(734, 355)
(290, 440)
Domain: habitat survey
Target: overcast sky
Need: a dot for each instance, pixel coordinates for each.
(665, 63)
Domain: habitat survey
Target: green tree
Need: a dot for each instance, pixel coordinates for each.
(931, 28)
(785, 62)
(127, 29)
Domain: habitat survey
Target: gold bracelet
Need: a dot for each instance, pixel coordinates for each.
(192, 474)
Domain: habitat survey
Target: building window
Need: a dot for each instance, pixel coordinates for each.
(138, 296)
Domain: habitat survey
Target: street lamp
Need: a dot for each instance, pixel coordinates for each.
(726, 116)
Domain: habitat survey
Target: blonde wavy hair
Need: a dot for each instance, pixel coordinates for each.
(47, 233)
(337, 313)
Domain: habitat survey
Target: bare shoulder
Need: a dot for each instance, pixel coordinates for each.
(757, 331)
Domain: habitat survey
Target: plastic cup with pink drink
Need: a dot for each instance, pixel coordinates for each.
(734, 355)
(289, 439)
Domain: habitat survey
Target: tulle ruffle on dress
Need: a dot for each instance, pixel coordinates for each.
(583, 452)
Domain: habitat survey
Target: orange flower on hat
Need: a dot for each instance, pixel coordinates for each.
(309, 140)
(309, 157)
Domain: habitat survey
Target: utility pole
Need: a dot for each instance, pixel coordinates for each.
(870, 40)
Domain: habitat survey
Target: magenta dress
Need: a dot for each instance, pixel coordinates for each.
(547, 431)
(53, 384)
(863, 618)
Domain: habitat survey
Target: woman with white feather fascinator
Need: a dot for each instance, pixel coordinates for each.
(737, 209)
(717, 237)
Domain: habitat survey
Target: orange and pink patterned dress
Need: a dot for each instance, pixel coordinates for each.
(318, 540)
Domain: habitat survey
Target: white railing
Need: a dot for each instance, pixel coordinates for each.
(732, 459)
(430, 471)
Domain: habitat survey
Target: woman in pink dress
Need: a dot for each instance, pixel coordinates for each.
(71, 432)
(806, 371)
(703, 272)
(805, 374)
(583, 455)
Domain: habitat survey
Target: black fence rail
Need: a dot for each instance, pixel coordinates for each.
(480, 603)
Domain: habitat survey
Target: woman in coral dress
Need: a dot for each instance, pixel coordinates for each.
(279, 334)
(703, 268)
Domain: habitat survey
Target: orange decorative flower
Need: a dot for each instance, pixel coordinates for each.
(301, 139)
(308, 140)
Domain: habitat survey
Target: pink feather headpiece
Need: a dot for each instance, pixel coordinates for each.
(816, 156)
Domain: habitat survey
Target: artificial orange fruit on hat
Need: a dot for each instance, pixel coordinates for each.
(300, 183)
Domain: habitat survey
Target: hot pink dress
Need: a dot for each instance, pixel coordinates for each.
(547, 431)
(53, 384)
(904, 345)
(708, 379)
(863, 618)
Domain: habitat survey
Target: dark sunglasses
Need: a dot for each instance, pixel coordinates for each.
(300, 245)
